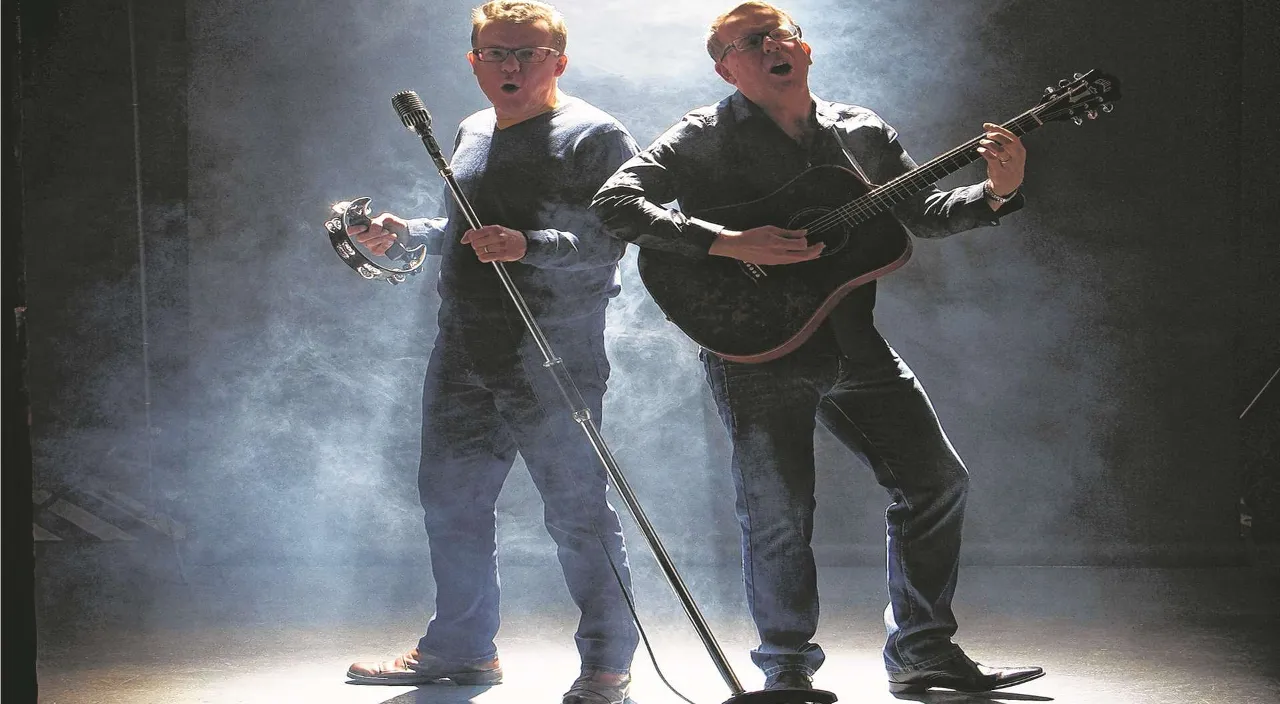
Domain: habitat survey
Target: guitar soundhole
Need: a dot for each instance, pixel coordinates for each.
(821, 229)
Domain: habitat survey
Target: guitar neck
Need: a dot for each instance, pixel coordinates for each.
(929, 173)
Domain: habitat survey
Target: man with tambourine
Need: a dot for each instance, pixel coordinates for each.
(532, 163)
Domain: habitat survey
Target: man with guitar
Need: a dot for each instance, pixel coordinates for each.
(531, 163)
(841, 372)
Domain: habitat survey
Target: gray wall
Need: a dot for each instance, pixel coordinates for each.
(1081, 356)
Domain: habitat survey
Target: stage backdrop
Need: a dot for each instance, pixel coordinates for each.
(1083, 356)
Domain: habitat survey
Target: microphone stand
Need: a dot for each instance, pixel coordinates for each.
(413, 113)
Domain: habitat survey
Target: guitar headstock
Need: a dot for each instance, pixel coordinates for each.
(1080, 98)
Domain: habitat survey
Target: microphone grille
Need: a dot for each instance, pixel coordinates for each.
(411, 110)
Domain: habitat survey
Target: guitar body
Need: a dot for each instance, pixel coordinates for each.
(750, 313)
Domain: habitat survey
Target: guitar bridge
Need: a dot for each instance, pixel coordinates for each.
(753, 270)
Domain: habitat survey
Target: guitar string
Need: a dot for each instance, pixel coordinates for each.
(906, 184)
(902, 185)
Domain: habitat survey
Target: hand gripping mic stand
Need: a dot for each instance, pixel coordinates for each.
(413, 113)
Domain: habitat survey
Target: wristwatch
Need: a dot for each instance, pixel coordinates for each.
(990, 193)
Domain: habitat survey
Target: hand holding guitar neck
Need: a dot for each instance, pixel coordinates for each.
(765, 245)
(1006, 159)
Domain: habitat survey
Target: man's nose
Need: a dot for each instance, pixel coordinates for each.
(769, 45)
(510, 64)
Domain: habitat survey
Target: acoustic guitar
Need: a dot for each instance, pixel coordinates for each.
(755, 313)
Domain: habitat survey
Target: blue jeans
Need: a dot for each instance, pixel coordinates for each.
(487, 395)
(869, 399)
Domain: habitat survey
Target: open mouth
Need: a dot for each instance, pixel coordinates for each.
(781, 70)
(510, 87)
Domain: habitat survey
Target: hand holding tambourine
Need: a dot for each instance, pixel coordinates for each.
(378, 235)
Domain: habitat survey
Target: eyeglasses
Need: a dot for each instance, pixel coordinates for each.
(525, 55)
(751, 42)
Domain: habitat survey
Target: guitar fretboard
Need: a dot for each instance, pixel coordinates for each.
(919, 178)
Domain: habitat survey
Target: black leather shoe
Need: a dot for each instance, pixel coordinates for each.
(962, 675)
(789, 679)
(599, 687)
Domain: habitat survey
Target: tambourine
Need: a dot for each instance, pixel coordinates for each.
(356, 213)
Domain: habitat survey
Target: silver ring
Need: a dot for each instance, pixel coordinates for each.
(1004, 161)
(486, 249)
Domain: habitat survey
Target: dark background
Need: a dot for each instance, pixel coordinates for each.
(196, 344)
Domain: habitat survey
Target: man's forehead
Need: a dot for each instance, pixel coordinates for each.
(755, 19)
(503, 30)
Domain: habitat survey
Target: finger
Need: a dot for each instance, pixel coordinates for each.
(484, 240)
(386, 222)
(372, 238)
(491, 256)
(787, 238)
(798, 244)
(802, 255)
(780, 232)
(997, 129)
(483, 231)
(997, 138)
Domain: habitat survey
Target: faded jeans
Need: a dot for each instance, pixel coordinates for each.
(869, 399)
(487, 396)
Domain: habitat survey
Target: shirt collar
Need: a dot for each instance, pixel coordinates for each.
(742, 108)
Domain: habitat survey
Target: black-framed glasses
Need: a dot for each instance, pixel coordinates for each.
(751, 42)
(525, 54)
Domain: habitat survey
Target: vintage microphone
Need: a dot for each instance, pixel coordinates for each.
(413, 113)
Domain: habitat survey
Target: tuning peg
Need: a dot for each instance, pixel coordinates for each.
(1062, 83)
(1108, 107)
(1078, 76)
(1048, 90)
(1077, 119)
(1091, 114)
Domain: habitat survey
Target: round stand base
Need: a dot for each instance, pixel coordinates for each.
(784, 696)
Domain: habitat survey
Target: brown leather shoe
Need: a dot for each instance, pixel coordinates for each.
(415, 668)
(599, 687)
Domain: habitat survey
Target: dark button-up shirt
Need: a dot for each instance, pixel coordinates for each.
(733, 152)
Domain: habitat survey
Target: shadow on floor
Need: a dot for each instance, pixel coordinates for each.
(439, 694)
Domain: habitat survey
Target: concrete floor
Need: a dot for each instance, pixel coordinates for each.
(116, 633)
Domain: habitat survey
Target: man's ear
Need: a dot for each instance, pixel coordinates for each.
(726, 74)
(471, 59)
(562, 62)
(808, 51)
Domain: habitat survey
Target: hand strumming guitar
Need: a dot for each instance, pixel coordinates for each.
(765, 245)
